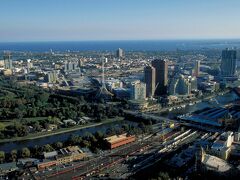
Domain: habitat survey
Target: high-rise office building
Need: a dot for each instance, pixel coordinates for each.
(197, 68)
(7, 61)
(229, 63)
(149, 78)
(161, 67)
(119, 53)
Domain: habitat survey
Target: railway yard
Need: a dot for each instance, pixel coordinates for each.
(127, 160)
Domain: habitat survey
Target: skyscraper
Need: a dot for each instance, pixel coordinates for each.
(228, 64)
(149, 78)
(119, 53)
(161, 67)
(197, 68)
(7, 61)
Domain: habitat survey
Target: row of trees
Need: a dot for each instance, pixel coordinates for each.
(94, 142)
(98, 112)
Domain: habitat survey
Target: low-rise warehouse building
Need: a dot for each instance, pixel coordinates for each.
(119, 140)
(65, 155)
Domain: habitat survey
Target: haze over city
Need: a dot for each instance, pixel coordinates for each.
(81, 20)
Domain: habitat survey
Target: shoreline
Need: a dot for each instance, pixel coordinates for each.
(59, 131)
(195, 101)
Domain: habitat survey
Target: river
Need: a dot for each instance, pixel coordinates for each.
(221, 100)
(8, 146)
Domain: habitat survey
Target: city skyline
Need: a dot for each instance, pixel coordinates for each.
(117, 20)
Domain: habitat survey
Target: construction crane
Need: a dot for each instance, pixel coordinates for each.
(63, 77)
(154, 90)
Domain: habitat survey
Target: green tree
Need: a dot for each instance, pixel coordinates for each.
(75, 139)
(37, 126)
(14, 155)
(2, 126)
(58, 145)
(25, 152)
(2, 135)
(86, 143)
(48, 148)
(34, 112)
(21, 130)
(2, 156)
(43, 97)
(19, 113)
(163, 176)
(99, 135)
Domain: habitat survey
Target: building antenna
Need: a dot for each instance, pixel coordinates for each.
(103, 73)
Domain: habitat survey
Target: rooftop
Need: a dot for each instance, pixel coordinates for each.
(7, 166)
(50, 154)
(198, 119)
(216, 163)
(116, 138)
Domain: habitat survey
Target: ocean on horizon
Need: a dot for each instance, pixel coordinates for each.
(137, 45)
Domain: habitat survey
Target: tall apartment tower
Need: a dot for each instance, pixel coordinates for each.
(119, 53)
(138, 91)
(229, 63)
(149, 78)
(197, 68)
(161, 67)
(7, 60)
(52, 77)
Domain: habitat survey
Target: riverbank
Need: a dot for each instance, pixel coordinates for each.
(60, 131)
(193, 101)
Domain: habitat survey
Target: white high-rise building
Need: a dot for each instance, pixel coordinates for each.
(29, 65)
(180, 86)
(149, 78)
(138, 91)
(194, 85)
(119, 53)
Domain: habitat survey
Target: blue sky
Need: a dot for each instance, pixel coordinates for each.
(63, 20)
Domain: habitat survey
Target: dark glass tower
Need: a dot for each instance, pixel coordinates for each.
(161, 67)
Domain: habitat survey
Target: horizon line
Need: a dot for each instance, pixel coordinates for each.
(109, 40)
